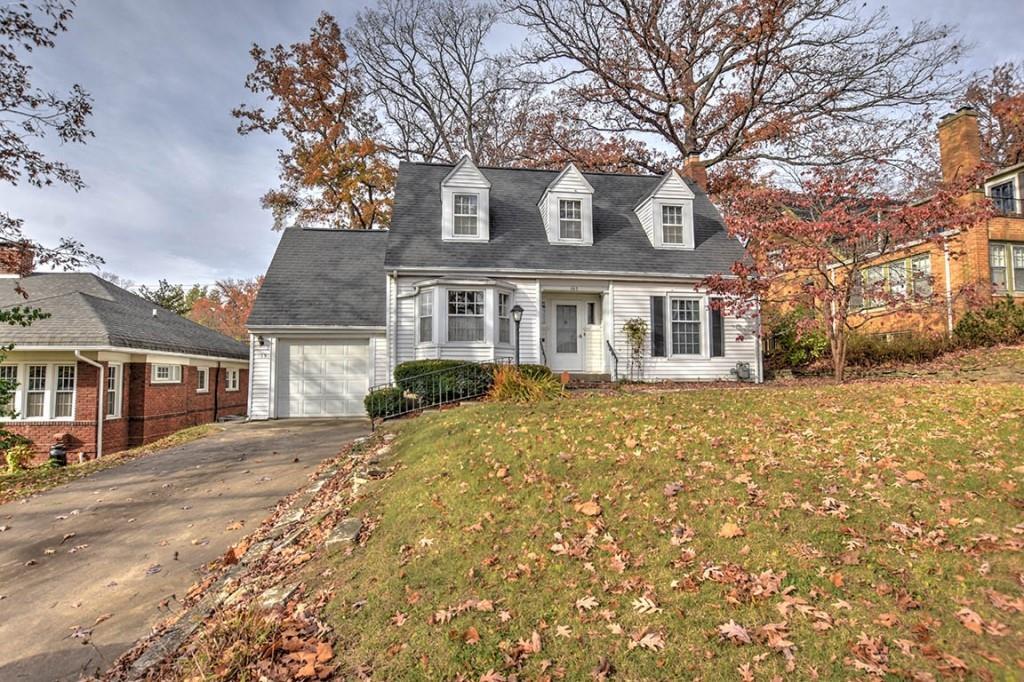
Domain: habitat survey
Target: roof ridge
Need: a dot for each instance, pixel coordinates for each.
(438, 164)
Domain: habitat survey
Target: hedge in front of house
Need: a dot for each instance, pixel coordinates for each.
(387, 402)
(1000, 322)
(912, 348)
(436, 381)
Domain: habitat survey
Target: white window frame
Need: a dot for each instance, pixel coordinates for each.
(57, 390)
(203, 372)
(49, 391)
(45, 391)
(562, 220)
(425, 311)
(475, 215)
(681, 225)
(482, 315)
(115, 370)
(173, 373)
(16, 380)
(232, 379)
(504, 317)
(703, 332)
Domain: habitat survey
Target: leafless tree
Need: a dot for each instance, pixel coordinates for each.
(775, 80)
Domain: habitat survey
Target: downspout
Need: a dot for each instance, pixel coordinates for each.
(949, 288)
(216, 390)
(392, 324)
(100, 390)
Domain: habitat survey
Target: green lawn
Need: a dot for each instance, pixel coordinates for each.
(809, 532)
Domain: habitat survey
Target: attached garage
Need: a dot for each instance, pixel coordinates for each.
(322, 377)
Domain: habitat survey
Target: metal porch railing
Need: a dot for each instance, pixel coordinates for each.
(615, 360)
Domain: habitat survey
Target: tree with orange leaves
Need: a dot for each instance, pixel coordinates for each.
(811, 246)
(998, 96)
(226, 306)
(334, 172)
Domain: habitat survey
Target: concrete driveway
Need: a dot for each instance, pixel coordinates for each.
(109, 548)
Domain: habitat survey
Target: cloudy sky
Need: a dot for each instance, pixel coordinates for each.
(173, 192)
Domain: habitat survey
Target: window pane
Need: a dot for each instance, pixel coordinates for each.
(465, 214)
(504, 321)
(9, 375)
(1003, 198)
(465, 225)
(570, 219)
(426, 329)
(64, 399)
(921, 266)
(465, 315)
(465, 328)
(35, 400)
(37, 378)
(672, 224)
(112, 381)
(685, 327)
(997, 261)
(34, 404)
(63, 405)
(898, 278)
(1018, 268)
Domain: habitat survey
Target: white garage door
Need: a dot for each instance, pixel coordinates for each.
(325, 378)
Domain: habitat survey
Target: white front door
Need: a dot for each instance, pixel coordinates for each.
(566, 336)
(322, 378)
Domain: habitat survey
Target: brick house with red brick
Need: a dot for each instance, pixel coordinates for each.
(156, 371)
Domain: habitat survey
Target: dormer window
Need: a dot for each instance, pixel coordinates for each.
(672, 227)
(464, 219)
(567, 208)
(465, 204)
(570, 219)
(666, 214)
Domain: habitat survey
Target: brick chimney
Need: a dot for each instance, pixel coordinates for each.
(959, 143)
(694, 169)
(16, 259)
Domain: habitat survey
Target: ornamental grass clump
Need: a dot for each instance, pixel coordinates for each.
(513, 385)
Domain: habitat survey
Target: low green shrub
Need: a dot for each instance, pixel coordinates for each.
(434, 381)
(871, 351)
(1000, 322)
(17, 457)
(385, 402)
(539, 372)
(793, 347)
(518, 385)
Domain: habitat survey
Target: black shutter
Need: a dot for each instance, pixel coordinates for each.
(657, 326)
(717, 334)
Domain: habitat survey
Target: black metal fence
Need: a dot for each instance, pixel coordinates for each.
(436, 388)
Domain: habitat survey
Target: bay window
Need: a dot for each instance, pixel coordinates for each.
(504, 318)
(465, 315)
(425, 312)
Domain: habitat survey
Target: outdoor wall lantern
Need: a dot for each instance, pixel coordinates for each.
(517, 317)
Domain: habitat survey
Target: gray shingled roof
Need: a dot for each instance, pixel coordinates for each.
(86, 310)
(517, 237)
(324, 277)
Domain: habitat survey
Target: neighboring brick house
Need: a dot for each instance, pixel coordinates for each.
(159, 372)
(981, 263)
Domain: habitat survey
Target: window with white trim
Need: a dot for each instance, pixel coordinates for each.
(9, 375)
(35, 392)
(672, 228)
(166, 374)
(231, 380)
(64, 392)
(570, 219)
(465, 315)
(113, 392)
(202, 380)
(425, 312)
(1006, 261)
(465, 216)
(504, 318)
(685, 326)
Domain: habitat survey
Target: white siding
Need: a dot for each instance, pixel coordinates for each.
(634, 300)
(260, 371)
(672, 190)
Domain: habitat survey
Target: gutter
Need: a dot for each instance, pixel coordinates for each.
(100, 392)
(949, 288)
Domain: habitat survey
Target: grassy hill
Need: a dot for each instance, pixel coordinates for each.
(809, 531)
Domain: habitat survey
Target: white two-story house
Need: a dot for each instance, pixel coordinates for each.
(579, 253)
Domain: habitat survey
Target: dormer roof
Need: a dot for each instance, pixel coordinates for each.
(465, 174)
(570, 180)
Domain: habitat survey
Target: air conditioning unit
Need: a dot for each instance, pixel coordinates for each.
(742, 371)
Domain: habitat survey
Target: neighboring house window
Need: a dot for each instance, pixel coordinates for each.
(504, 318)
(1006, 261)
(9, 375)
(64, 393)
(1002, 197)
(166, 374)
(35, 392)
(874, 282)
(898, 279)
(113, 391)
(570, 219)
(426, 316)
(672, 224)
(202, 379)
(921, 271)
(465, 315)
(997, 263)
(231, 380)
(685, 319)
(464, 219)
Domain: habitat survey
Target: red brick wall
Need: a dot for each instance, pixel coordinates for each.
(148, 411)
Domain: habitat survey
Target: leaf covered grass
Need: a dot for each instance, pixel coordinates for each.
(813, 532)
(14, 486)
